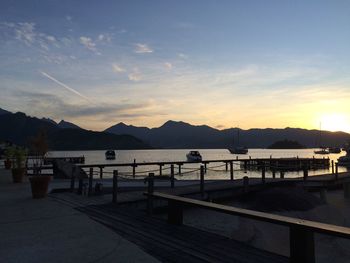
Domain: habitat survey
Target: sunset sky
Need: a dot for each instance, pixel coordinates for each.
(252, 64)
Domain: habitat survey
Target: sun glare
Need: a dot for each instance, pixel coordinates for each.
(335, 122)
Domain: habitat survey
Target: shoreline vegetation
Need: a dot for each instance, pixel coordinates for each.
(286, 144)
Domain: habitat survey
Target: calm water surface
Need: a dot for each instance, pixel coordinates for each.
(215, 172)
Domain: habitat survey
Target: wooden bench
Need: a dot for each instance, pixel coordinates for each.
(301, 238)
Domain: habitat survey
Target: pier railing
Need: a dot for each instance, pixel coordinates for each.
(301, 232)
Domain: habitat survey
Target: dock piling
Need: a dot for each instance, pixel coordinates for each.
(115, 186)
(202, 180)
(332, 166)
(150, 191)
(263, 173)
(172, 179)
(231, 171)
(305, 173)
(91, 174)
(134, 169)
(336, 171)
(101, 172)
(245, 183)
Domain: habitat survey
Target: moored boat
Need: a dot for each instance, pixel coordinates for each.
(238, 150)
(194, 156)
(322, 151)
(110, 155)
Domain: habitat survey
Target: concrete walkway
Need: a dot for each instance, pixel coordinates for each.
(48, 231)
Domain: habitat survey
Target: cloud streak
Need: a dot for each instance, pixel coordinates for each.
(142, 48)
(64, 86)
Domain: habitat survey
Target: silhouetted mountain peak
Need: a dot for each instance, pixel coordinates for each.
(175, 124)
(67, 125)
(49, 120)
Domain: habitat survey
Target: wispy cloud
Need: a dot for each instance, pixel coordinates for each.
(65, 86)
(88, 43)
(142, 48)
(117, 68)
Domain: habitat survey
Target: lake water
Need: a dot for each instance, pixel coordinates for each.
(191, 171)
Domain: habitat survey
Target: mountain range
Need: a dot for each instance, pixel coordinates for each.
(178, 134)
(19, 128)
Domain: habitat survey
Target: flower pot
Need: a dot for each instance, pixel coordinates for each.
(18, 174)
(8, 164)
(40, 185)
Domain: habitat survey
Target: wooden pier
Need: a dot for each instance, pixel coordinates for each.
(281, 165)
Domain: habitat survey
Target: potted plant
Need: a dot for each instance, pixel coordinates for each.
(19, 157)
(39, 182)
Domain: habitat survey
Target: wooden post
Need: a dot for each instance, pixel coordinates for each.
(80, 186)
(134, 169)
(281, 174)
(172, 179)
(72, 180)
(302, 245)
(101, 172)
(150, 193)
(226, 166)
(115, 186)
(91, 174)
(245, 183)
(332, 166)
(205, 168)
(231, 171)
(305, 173)
(175, 213)
(179, 169)
(160, 170)
(336, 171)
(202, 179)
(273, 173)
(263, 173)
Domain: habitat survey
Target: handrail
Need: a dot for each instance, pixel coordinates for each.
(301, 232)
(313, 226)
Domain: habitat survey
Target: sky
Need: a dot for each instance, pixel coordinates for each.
(247, 64)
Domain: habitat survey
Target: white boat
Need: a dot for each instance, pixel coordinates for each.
(345, 160)
(194, 156)
(322, 151)
(110, 155)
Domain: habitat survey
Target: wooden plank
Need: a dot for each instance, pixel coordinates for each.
(162, 240)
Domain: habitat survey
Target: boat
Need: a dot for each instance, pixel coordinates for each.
(322, 151)
(110, 155)
(334, 150)
(194, 156)
(238, 149)
(345, 160)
